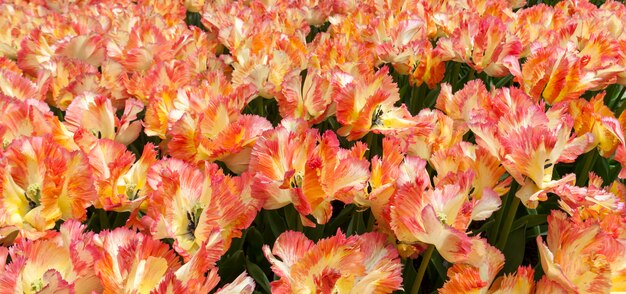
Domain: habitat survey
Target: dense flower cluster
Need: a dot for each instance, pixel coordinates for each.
(433, 117)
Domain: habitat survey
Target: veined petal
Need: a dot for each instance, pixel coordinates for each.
(242, 284)
(279, 158)
(290, 247)
(522, 282)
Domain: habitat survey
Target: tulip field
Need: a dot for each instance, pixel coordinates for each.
(312, 146)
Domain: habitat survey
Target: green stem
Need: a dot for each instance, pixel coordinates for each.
(508, 222)
(422, 269)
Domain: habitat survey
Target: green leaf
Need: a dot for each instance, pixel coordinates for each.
(258, 275)
(316, 233)
(403, 90)
(485, 226)
(514, 249)
(538, 270)
(408, 274)
(503, 81)
(532, 234)
(616, 98)
(254, 239)
(104, 219)
(612, 97)
(341, 219)
(356, 225)
(120, 219)
(492, 234)
(438, 263)
(237, 243)
(584, 166)
(530, 220)
(231, 266)
(431, 97)
(293, 218)
(276, 222)
(60, 114)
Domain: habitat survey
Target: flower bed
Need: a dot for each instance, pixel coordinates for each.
(312, 146)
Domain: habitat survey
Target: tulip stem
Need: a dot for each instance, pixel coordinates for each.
(508, 222)
(422, 269)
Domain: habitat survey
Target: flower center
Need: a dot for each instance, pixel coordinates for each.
(193, 218)
(36, 285)
(296, 181)
(376, 115)
(131, 193)
(33, 195)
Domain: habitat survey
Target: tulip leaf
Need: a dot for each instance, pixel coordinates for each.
(541, 231)
(504, 81)
(408, 274)
(229, 267)
(585, 165)
(237, 243)
(356, 226)
(514, 249)
(276, 222)
(431, 97)
(258, 275)
(440, 266)
(531, 220)
(484, 227)
(293, 218)
(341, 219)
(254, 239)
(314, 233)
